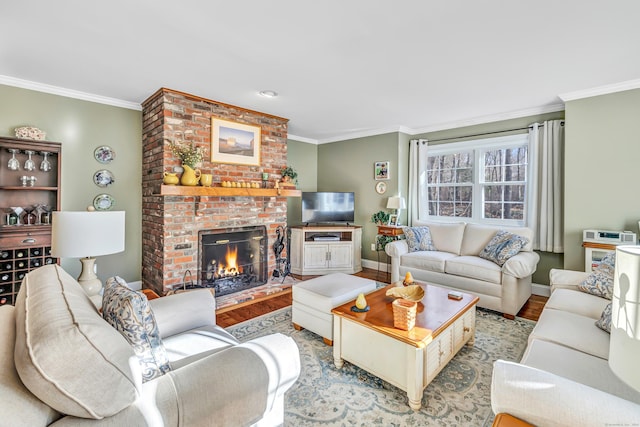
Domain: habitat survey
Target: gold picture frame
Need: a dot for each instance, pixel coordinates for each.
(233, 142)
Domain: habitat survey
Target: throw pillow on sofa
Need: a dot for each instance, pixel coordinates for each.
(129, 313)
(600, 281)
(604, 322)
(418, 239)
(503, 246)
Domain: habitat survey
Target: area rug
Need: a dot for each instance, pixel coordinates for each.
(326, 396)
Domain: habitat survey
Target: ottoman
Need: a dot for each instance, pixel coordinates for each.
(314, 299)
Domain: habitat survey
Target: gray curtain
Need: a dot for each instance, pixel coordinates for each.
(546, 209)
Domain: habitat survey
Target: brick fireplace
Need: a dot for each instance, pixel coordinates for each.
(171, 223)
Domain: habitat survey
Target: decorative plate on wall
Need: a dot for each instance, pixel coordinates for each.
(104, 154)
(103, 178)
(103, 202)
(381, 187)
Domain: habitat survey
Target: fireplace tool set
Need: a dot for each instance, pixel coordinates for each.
(283, 264)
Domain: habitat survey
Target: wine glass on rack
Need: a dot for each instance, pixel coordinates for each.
(45, 166)
(29, 164)
(14, 164)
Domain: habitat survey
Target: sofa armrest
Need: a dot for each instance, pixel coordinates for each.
(397, 248)
(184, 311)
(567, 279)
(236, 386)
(521, 265)
(545, 399)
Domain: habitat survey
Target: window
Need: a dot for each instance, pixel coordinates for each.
(481, 180)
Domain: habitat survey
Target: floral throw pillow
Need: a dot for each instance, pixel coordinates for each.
(604, 322)
(600, 281)
(503, 246)
(129, 313)
(418, 239)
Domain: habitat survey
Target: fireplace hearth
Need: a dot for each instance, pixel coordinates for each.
(232, 260)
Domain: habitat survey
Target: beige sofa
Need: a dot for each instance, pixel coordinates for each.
(564, 378)
(62, 364)
(456, 264)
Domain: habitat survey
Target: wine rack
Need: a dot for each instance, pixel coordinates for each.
(15, 264)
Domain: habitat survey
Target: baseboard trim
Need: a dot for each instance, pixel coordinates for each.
(374, 265)
(542, 290)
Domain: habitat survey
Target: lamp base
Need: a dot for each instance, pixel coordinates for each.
(87, 278)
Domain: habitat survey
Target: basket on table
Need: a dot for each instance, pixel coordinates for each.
(404, 314)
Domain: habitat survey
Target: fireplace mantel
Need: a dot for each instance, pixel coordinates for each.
(184, 190)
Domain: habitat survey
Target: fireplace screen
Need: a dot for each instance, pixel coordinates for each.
(232, 260)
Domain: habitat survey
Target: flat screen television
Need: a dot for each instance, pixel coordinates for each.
(328, 207)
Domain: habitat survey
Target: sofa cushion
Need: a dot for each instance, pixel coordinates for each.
(577, 366)
(418, 239)
(572, 330)
(446, 236)
(427, 260)
(21, 407)
(129, 313)
(474, 268)
(503, 246)
(55, 323)
(576, 302)
(604, 322)
(600, 281)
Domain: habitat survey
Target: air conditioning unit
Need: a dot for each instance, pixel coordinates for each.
(610, 237)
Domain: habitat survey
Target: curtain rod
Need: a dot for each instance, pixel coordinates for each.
(482, 134)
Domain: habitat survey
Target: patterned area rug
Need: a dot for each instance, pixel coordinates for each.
(458, 396)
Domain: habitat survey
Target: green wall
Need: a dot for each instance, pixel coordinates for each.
(303, 158)
(81, 126)
(602, 149)
(348, 166)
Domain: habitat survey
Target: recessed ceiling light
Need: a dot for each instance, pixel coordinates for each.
(268, 93)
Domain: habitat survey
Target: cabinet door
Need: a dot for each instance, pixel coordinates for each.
(296, 250)
(315, 256)
(340, 256)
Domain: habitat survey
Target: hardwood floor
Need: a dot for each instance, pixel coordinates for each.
(531, 310)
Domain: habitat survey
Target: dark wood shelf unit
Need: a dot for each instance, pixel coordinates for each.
(24, 247)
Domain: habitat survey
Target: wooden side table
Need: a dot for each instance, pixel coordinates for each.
(506, 420)
(391, 233)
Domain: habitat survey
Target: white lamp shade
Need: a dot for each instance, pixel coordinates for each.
(624, 346)
(86, 234)
(396, 202)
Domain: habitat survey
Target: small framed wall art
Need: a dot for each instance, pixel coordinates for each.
(393, 219)
(235, 143)
(381, 170)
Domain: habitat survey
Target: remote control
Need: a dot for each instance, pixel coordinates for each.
(455, 295)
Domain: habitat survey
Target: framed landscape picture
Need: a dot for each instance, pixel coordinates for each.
(233, 142)
(381, 170)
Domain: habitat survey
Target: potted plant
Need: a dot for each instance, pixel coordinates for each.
(380, 218)
(189, 155)
(289, 174)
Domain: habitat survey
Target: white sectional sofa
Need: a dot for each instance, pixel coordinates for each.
(564, 377)
(455, 264)
(62, 364)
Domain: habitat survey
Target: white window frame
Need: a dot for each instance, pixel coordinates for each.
(479, 147)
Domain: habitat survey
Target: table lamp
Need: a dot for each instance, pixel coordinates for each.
(397, 203)
(86, 235)
(624, 346)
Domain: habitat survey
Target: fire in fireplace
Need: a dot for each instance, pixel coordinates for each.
(232, 260)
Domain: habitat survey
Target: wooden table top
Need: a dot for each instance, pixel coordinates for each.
(436, 311)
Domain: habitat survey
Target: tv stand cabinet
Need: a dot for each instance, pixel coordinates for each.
(324, 249)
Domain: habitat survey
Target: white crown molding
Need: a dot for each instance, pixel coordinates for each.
(443, 126)
(491, 118)
(302, 139)
(69, 93)
(601, 90)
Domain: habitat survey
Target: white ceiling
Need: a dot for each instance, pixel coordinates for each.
(341, 68)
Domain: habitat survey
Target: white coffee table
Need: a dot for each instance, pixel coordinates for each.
(410, 360)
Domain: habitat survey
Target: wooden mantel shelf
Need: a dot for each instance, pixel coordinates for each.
(185, 190)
